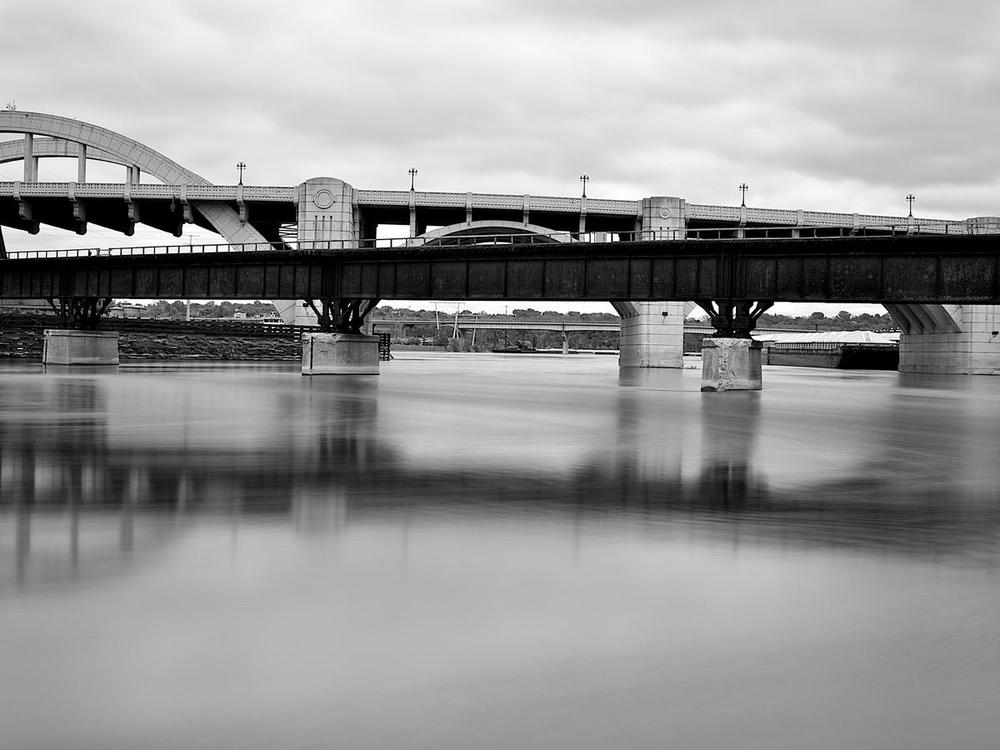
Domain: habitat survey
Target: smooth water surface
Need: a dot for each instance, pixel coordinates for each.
(478, 551)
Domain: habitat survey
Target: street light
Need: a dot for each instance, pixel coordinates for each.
(583, 179)
(241, 166)
(743, 194)
(413, 173)
(909, 199)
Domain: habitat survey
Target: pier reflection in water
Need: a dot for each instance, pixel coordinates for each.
(486, 551)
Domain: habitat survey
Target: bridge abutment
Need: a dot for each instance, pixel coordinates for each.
(652, 333)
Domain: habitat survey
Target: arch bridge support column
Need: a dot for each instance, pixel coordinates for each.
(328, 220)
(652, 333)
(951, 339)
(948, 339)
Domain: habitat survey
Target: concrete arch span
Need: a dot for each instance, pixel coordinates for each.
(220, 217)
(54, 147)
(492, 228)
(652, 332)
(624, 308)
(101, 139)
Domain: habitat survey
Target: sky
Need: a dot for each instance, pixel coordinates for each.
(845, 106)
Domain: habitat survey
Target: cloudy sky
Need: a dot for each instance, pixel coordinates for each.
(844, 106)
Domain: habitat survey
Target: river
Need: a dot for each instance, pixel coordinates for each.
(474, 551)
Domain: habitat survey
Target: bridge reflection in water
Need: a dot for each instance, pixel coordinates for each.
(331, 456)
(303, 549)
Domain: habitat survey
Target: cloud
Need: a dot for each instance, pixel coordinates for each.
(843, 106)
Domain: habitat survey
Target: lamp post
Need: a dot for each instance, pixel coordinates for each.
(909, 199)
(241, 166)
(583, 178)
(743, 194)
(413, 173)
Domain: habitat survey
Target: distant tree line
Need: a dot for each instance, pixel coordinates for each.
(437, 327)
(178, 309)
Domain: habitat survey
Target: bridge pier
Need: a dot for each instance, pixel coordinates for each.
(730, 358)
(339, 354)
(731, 364)
(652, 333)
(74, 347)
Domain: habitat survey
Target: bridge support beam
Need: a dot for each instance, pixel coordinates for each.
(652, 333)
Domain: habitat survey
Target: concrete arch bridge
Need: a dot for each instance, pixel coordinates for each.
(326, 212)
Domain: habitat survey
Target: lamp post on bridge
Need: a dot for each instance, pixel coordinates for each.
(413, 173)
(583, 178)
(909, 199)
(241, 166)
(743, 194)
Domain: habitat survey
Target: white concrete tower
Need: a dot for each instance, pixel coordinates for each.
(327, 218)
(327, 214)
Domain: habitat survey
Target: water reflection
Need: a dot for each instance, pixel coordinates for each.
(473, 551)
(128, 461)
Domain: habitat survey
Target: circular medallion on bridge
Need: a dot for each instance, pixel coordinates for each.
(323, 198)
(664, 213)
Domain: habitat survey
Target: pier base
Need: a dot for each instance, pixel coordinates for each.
(730, 365)
(71, 347)
(339, 354)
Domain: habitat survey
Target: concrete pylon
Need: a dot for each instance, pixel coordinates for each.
(327, 217)
(652, 333)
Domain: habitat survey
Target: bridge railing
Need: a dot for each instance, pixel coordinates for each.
(515, 238)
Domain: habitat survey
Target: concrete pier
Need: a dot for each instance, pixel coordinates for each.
(339, 354)
(730, 365)
(652, 333)
(72, 347)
